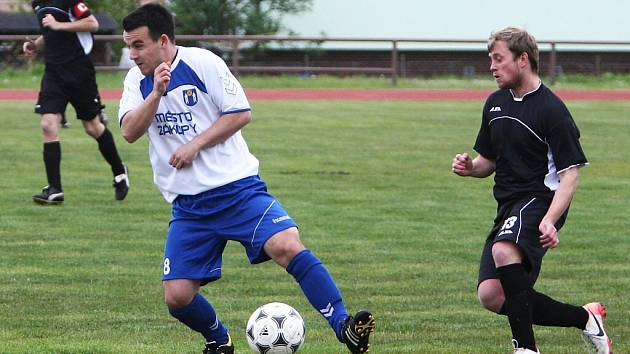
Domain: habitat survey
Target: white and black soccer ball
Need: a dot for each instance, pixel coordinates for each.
(275, 328)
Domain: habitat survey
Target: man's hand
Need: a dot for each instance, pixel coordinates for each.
(161, 78)
(50, 22)
(184, 155)
(29, 47)
(549, 234)
(462, 164)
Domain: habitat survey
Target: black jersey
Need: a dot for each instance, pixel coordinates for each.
(63, 46)
(532, 139)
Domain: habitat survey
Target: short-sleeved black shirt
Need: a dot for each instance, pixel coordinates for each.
(531, 139)
(63, 46)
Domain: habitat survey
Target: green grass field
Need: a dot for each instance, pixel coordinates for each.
(371, 187)
(29, 78)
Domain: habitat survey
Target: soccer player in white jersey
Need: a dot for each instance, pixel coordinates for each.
(530, 142)
(192, 109)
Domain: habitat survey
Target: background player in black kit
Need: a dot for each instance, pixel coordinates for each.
(69, 76)
(531, 143)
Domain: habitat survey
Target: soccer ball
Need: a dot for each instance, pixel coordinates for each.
(275, 328)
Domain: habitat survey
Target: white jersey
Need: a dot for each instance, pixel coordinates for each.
(201, 90)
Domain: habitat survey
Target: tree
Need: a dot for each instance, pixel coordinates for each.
(117, 9)
(233, 16)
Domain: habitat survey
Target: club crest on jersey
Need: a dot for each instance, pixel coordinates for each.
(190, 97)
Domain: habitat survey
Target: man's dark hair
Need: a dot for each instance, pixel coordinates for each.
(156, 17)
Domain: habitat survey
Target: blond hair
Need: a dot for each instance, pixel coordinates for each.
(518, 42)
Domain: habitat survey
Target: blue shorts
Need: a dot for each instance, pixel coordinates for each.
(202, 224)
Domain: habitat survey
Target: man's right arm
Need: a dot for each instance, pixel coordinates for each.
(480, 167)
(137, 121)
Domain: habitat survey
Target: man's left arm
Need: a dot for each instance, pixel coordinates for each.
(559, 204)
(86, 22)
(226, 126)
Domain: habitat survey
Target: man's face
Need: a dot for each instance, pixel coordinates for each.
(143, 50)
(504, 66)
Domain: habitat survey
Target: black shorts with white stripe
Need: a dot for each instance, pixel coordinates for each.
(518, 222)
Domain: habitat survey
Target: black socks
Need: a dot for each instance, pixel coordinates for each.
(107, 147)
(52, 162)
(549, 312)
(517, 287)
(525, 306)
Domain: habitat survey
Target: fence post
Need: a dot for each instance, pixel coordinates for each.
(235, 58)
(307, 64)
(598, 65)
(403, 65)
(394, 63)
(108, 53)
(552, 64)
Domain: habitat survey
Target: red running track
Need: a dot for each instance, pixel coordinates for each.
(362, 94)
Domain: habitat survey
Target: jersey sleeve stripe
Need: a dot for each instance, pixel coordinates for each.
(236, 111)
(579, 165)
(120, 120)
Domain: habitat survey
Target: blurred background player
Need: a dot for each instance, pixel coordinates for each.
(193, 109)
(529, 140)
(69, 76)
(102, 116)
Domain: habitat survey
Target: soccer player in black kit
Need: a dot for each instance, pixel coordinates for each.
(69, 76)
(530, 142)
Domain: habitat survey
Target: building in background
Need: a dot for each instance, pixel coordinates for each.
(559, 20)
(13, 5)
(464, 19)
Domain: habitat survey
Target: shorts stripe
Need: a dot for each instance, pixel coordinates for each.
(520, 218)
(261, 219)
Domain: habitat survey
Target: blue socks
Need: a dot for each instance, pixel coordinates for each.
(200, 316)
(314, 279)
(320, 288)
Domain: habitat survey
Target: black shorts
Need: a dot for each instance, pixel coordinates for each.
(518, 222)
(73, 82)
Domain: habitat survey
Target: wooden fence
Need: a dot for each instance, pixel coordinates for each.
(238, 43)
